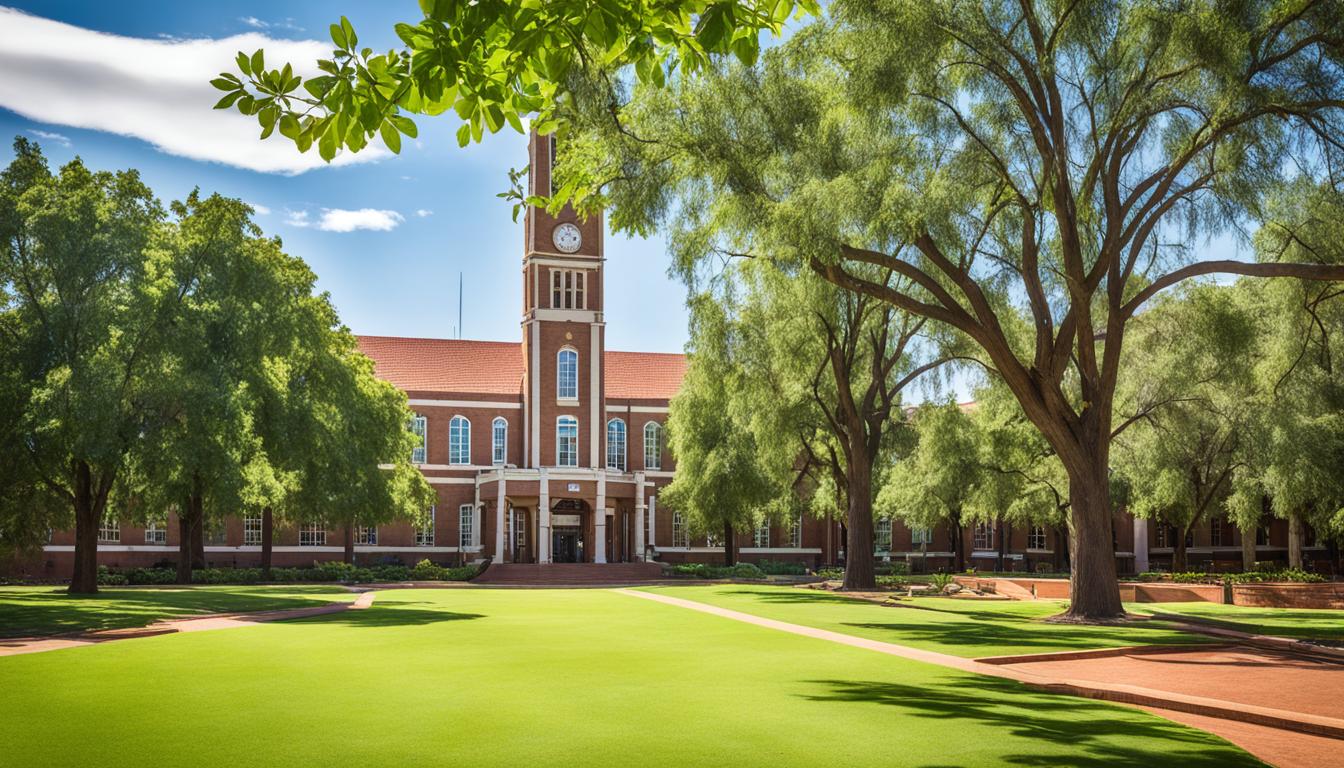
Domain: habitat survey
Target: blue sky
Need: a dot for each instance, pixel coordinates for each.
(125, 85)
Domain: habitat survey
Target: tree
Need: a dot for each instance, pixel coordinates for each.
(1001, 157)
(819, 372)
(721, 484)
(88, 287)
(1192, 397)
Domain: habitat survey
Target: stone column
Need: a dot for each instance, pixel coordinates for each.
(501, 509)
(1140, 545)
(639, 516)
(544, 519)
(475, 540)
(600, 519)
(653, 521)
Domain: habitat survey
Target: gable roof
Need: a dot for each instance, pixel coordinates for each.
(461, 366)
(644, 375)
(447, 365)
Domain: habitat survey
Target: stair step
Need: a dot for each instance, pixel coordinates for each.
(570, 573)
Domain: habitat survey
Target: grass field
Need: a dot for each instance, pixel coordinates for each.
(1281, 622)
(546, 677)
(948, 625)
(28, 611)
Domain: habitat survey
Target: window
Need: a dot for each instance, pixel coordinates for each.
(761, 537)
(216, 534)
(366, 536)
(567, 375)
(653, 445)
(983, 537)
(1216, 532)
(1262, 536)
(499, 441)
(680, 536)
(419, 428)
(109, 531)
(1190, 538)
(251, 531)
(466, 522)
(616, 444)
(713, 540)
(921, 536)
(1036, 537)
(156, 533)
(424, 537)
(567, 288)
(312, 535)
(459, 440)
(796, 531)
(567, 442)
(882, 536)
(1162, 538)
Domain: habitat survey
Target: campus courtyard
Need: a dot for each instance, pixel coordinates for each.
(564, 677)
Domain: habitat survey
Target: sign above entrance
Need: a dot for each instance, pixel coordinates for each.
(572, 488)
(561, 521)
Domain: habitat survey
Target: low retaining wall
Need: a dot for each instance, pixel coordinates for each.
(1130, 591)
(1282, 595)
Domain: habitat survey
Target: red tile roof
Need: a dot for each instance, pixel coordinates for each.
(644, 375)
(496, 367)
(447, 365)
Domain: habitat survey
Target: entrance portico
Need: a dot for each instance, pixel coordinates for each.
(551, 515)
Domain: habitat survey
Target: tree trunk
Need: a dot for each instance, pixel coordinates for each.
(958, 534)
(728, 548)
(88, 517)
(1179, 562)
(184, 544)
(1332, 548)
(349, 544)
(1003, 543)
(197, 531)
(1294, 540)
(266, 544)
(1247, 549)
(859, 573)
(1094, 591)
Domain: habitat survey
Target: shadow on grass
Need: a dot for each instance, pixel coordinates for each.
(1094, 733)
(795, 596)
(388, 613)
(54, 612)
(999, 634)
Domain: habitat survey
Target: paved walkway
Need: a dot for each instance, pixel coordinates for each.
(1290, 738)
(16, 646)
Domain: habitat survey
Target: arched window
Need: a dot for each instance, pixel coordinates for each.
(567, 442)
(616, 444)
(499, 441)
(459, 440)
(653, 445)
(567, 374)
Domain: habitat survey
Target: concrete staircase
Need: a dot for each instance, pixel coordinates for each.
(569, 574)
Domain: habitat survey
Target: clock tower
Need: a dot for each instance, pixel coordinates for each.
(562, 326)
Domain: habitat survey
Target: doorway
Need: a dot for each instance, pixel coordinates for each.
(566, 545)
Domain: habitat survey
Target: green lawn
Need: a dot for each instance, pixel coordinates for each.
(970, 628)
(49, 610)
(546, 677)
(1281, 622)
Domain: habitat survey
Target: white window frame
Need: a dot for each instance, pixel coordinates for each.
(563, 457)
(882, 535)
(466, 524)
(499, 441)
(760, 537)
(366, 536)
(109, 531)
(253, 531)
(1161, 536)
(1036, 537)
(616, 445)
(1216, 532)
(796, 531)
(567, 390)
(312, 535)
(156, 532)
(921, 536)
(424, 536)
(459, 452)
(655, 442)
(569, 289)
(713, 540)
(681, 536)
(420, 428)
(982, 537)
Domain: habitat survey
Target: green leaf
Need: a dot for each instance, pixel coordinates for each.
(390, 137)
(407, 34)
(224, 84)
(228, 100)
(243, 63)
(338, 37)
(326, 146)
(258, 62)
(463, 135)
(405, 125)
(349, 32)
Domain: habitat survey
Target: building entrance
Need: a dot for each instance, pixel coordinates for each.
(567, 545)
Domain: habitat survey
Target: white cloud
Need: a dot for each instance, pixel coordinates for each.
(154, 90)
(342, 220)
(255, 23)
(260, 209)
(59, 138)
(423, 212)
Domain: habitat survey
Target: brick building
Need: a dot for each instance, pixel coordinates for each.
(552, 449)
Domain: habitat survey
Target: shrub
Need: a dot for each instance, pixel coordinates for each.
(1285, 574)
(939, 581)
(781, 568)
(831, 574)
(691, 570)
(109, 578)
(744, 571)
(151, 576)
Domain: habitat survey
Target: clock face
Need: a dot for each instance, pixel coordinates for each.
(567, 238)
